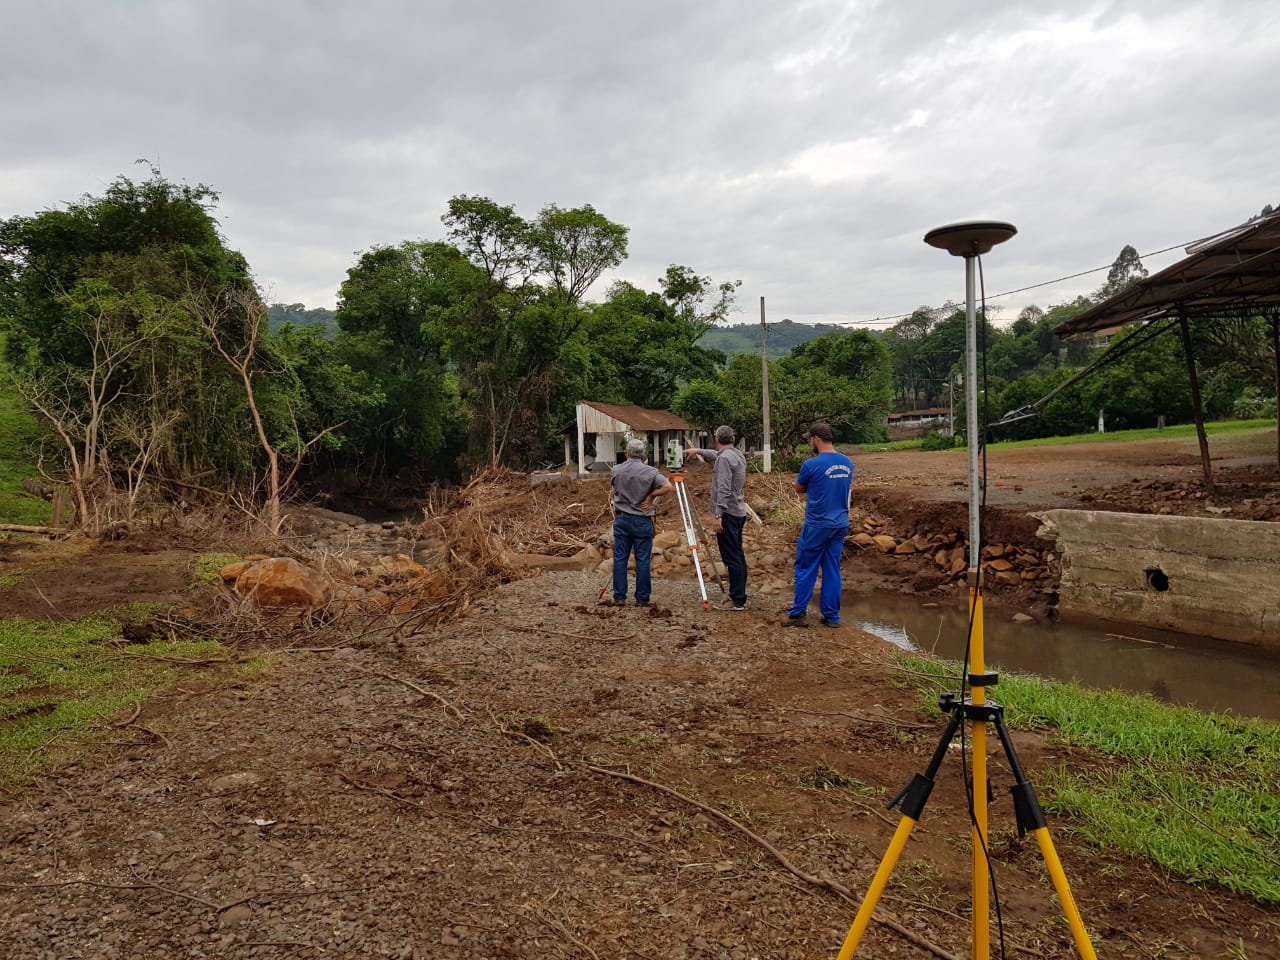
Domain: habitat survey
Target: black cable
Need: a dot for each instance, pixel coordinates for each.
(982, 537)
(1034, 286)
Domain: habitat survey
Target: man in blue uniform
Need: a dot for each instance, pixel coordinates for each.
(636, 485)
(825, 479)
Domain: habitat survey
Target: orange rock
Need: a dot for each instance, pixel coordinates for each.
(282, 582)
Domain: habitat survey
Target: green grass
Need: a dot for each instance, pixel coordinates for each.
(1214, 428)
(19, 434)
(1197, 793)
(890, 445)
(61, 682)
(208, 565)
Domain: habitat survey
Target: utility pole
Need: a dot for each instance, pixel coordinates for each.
(764, 387)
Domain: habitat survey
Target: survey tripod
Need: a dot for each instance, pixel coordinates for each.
(978, 712)
(970, 240)
(675, 466)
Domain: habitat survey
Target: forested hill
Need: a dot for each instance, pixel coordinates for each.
(735, 339)
(745, 337)
(278, 314)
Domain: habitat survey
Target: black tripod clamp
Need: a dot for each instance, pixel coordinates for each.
(914, 796)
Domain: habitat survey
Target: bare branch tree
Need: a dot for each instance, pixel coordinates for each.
(235, 322)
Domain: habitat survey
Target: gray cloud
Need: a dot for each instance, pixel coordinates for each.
(803, 148)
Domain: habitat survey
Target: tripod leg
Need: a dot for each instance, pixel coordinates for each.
(874, 892)
(686, 516)
(913, 798)
(716, 564)
(1030, 816)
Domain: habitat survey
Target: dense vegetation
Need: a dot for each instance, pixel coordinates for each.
(1025, 362)
(140, 340)
(736, 338)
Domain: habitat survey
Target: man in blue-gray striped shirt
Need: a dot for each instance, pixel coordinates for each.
(728, 510)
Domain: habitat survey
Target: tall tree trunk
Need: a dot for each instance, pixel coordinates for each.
(1196, 404)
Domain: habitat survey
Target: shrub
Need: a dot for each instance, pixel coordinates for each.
(1251, 405)
(937, 441)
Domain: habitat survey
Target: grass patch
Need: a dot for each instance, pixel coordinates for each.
(890, 445)
(1215, 428)
(60, 681)
(823, 776)
(208, 565)
(1194, 792)
(526, 727)
(20, 433)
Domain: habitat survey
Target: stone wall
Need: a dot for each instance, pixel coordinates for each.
(1195, 575)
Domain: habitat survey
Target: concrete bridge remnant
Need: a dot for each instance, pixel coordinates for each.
(1195, 575)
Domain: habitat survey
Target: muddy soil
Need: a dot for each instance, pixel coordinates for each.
(547, 777)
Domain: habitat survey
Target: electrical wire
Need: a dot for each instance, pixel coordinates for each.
(889, 321)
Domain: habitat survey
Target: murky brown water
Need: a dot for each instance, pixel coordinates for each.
(1207, 674)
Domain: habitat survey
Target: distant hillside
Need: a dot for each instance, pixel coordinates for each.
(278, 314)
(745, 337)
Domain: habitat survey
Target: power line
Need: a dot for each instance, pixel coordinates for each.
(882, 321)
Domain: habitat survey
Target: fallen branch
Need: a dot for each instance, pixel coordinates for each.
(26, 528)
(838, 889)
(145, 885)
(426, 693)
(564, 931)
(361, 785)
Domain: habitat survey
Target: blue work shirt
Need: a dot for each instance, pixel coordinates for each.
(827, 478)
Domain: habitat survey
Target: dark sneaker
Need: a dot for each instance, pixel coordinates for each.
(802, 620)
(731, 606)
(830, 623)
(606, 602)
(642, 603)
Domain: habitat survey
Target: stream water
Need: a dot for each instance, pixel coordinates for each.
(1207, 674)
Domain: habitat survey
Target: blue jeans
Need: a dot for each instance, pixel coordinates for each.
(632, 533)
(819, 548)
(729, 540)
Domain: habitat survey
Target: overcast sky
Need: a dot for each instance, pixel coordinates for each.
(803, 148)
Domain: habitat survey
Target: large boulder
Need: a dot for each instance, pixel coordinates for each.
(278, 582)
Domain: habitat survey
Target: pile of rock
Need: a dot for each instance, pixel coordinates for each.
(387, 583)
(1006, 564)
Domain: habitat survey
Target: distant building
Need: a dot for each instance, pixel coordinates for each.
(612, 424)
(909, 424)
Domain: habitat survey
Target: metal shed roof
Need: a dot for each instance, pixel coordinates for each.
(619, 418)
(1235, 272)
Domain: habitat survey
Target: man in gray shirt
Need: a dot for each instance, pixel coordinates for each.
(636, 485)
(728, 510)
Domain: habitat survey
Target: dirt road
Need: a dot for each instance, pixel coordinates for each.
(546, 777)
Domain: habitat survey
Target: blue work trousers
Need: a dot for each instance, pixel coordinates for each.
(729, 540)
(819, 548)
(631, 532)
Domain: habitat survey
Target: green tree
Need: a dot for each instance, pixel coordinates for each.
(906, 342)
(101, 334)
(702, 404)
(855, 369)
(1126, 270)
(575, 246)
(645, 347)
(395, 313)
(698, 301)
